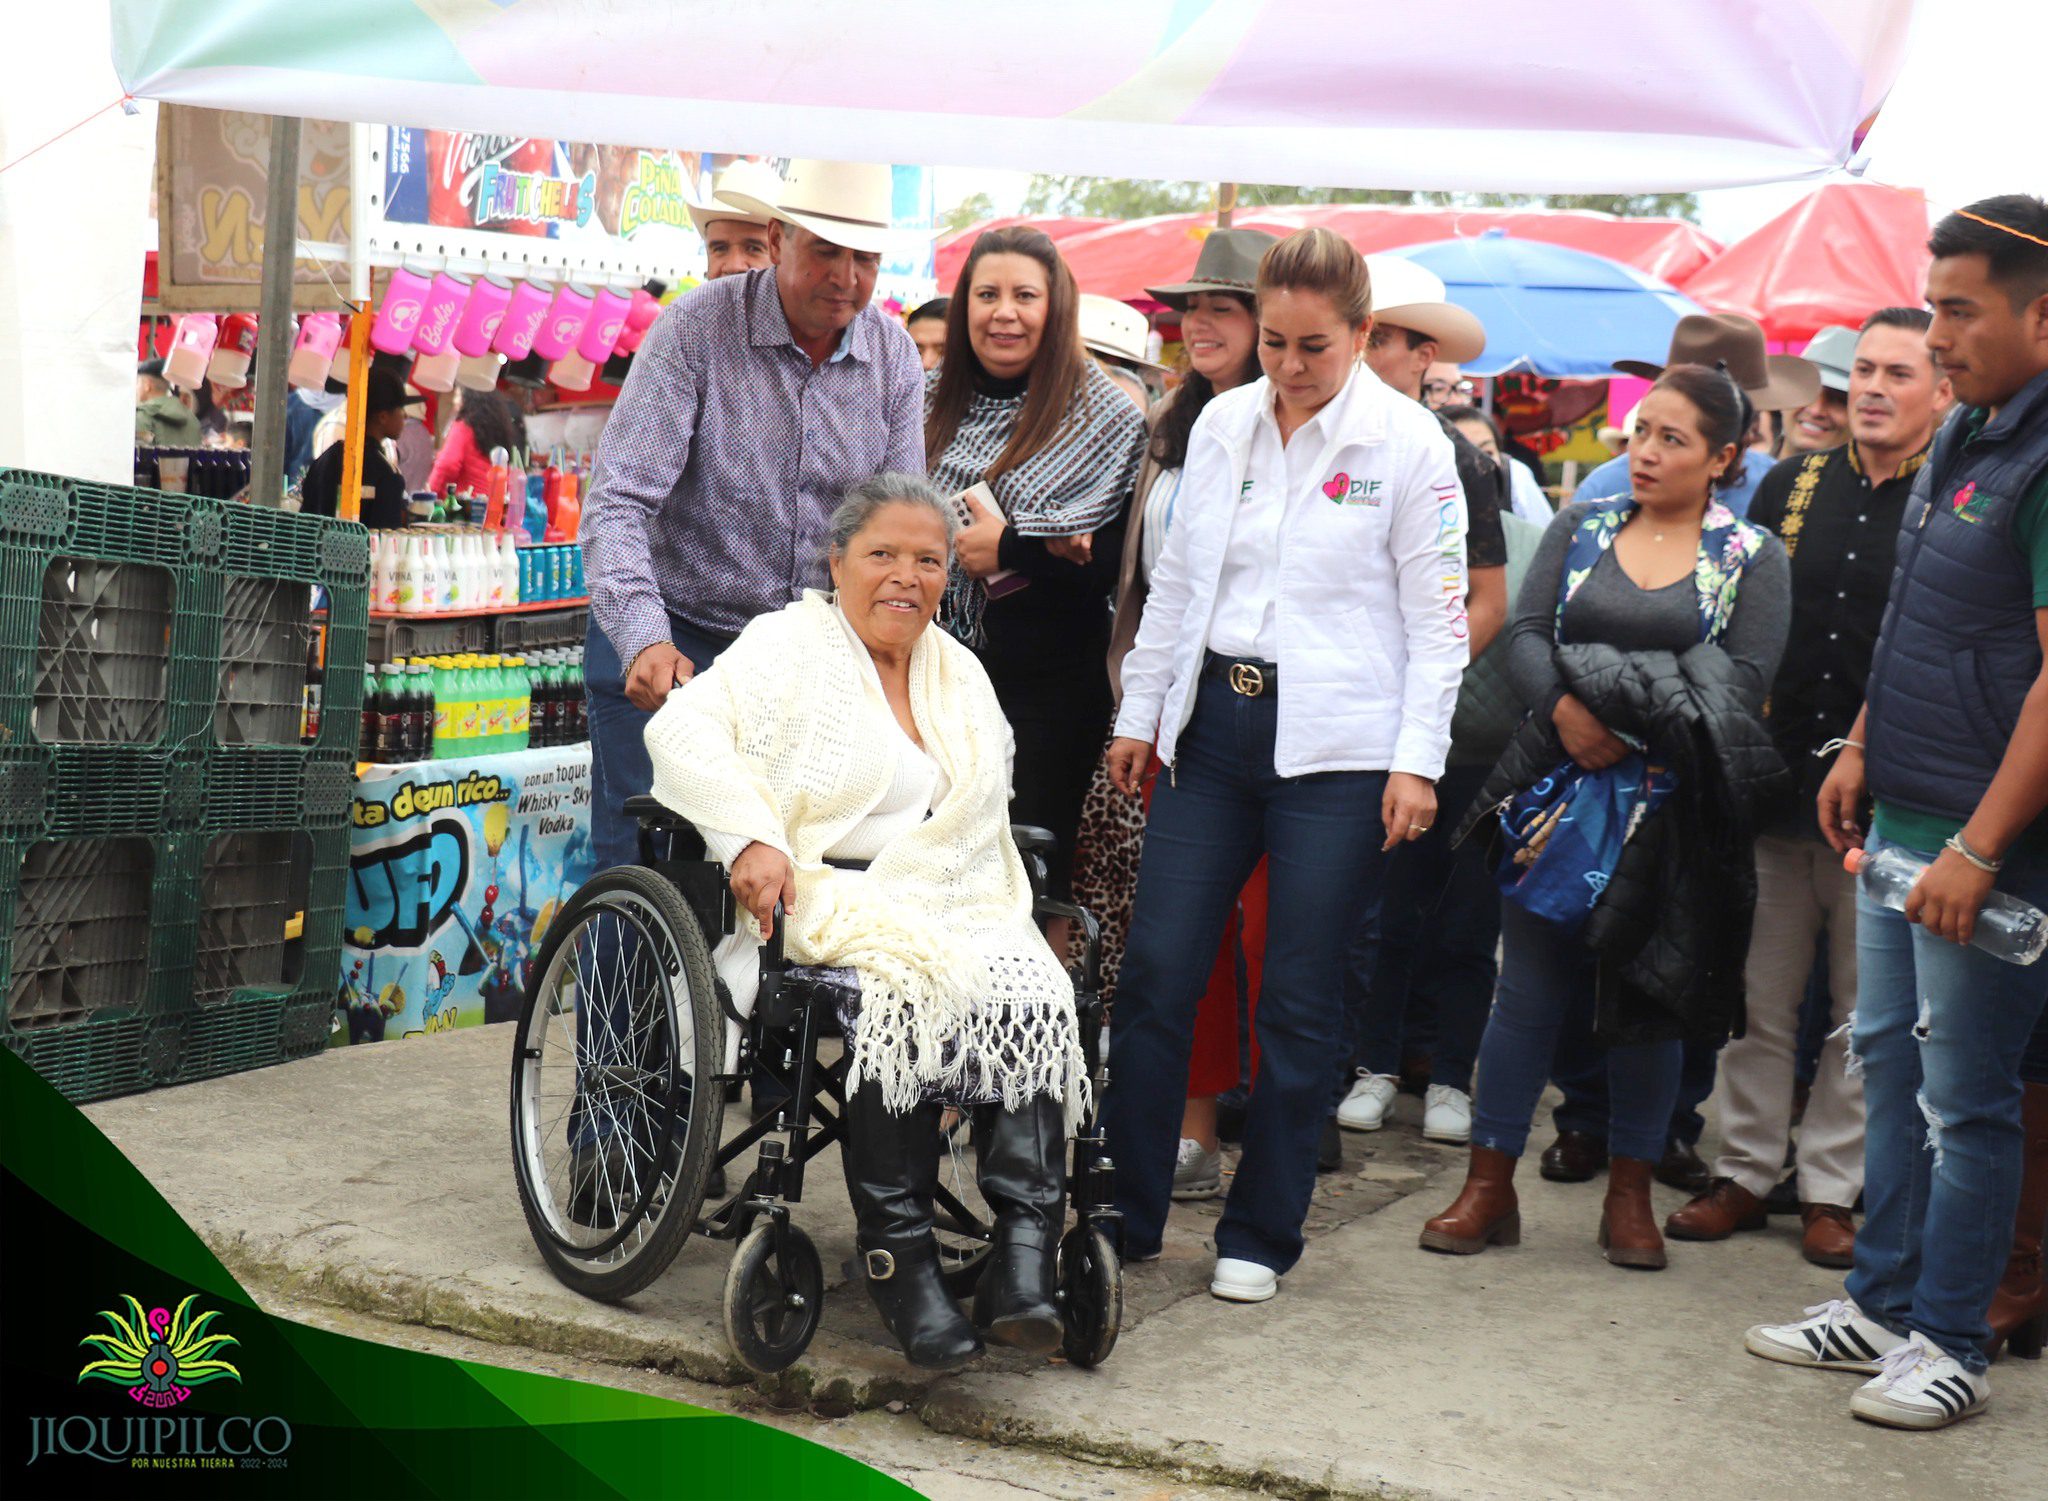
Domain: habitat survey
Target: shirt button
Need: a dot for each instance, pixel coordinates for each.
(1862, 518)
(1850, 556)
(1841, 594)
(1834, 635)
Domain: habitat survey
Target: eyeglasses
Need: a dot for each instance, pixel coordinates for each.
(1439, 390)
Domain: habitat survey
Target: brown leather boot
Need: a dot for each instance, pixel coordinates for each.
(1717, 1214)
(2018, 1315)
(1628, 1225)
(1485, 1213)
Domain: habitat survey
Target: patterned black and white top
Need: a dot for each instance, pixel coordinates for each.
(1078, 483)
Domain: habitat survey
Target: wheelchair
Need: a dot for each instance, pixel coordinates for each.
(621, 1077)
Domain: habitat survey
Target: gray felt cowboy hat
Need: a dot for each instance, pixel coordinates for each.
(1229, 262)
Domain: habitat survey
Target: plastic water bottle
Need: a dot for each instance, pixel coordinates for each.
(2007, 928)
(519, 690)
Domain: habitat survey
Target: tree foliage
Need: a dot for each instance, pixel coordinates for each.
(970, 210)
(1128, 198)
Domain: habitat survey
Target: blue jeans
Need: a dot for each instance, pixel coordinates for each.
(619, 767)
(1544, 973)
(1220, 809)
(1941, 1030)
(1430, 951)
(1580, 1072)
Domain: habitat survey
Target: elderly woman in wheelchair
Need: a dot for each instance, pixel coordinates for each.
(850, 769)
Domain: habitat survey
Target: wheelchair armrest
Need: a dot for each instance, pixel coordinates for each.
(1032, 840)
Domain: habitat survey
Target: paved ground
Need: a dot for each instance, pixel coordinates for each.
(377, 1182)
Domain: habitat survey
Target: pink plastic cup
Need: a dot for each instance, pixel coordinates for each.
(440, 313)
(319, 337)
(481, 316)
(607, 320)
(523, 313)
(639, 318)
(563, 325)
(405, 299)
(191, 349)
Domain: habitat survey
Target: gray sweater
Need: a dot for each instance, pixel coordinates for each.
(1611, 608)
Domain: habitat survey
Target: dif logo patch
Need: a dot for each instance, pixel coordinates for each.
(1341, 489)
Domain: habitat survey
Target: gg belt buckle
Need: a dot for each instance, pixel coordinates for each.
(1247, 679)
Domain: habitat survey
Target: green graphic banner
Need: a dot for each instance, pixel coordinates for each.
(134, 1364)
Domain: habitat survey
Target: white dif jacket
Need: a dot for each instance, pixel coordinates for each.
(1371, 619)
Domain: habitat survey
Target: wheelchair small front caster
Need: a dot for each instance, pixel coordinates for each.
(773, 1297)
(1091, 1295)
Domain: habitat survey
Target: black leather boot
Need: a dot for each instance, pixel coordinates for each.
(1022, 1161)
(892, 1167)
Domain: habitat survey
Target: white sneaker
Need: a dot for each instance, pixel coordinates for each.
(1446, 1114)
(1369, 1104)
(1243, 1281)
(1197, 1174)
(1920, 1386)
(1834, 1336)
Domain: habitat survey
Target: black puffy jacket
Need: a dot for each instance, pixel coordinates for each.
(1672, 928)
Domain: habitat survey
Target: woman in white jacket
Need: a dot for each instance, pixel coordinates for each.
(1297, 666)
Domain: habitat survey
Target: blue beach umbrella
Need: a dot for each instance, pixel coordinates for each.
(1549, 310)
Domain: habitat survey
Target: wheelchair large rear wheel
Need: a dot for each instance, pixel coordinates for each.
(615, 1118)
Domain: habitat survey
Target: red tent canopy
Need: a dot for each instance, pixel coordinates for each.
(1121, 258)
(950, 251)
(1835, 256)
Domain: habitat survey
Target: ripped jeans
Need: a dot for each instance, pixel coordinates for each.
(1940, 1031)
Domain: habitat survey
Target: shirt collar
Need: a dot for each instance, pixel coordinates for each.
(768, 325)
(1907, 470)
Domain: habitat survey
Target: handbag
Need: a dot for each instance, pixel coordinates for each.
(1563, 836)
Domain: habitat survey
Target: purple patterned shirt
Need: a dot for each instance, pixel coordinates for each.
(728, 452)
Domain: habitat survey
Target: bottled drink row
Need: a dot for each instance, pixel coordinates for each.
(434, 569)
(436, 708)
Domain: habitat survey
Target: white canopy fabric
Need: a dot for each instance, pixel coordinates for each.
(1599, 96)
(73, 213)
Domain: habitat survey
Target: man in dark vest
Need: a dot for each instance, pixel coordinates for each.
(1952, 745)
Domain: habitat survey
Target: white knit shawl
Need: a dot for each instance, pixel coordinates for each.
(786, 739)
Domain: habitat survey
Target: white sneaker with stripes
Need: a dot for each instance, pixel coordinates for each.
(1920, 1386)
(1834, 1336)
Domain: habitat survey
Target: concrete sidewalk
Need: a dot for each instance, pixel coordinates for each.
(379, 1179)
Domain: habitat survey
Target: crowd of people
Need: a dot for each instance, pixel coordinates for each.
(1380, 770)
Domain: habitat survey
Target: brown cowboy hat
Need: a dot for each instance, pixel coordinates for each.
(1774, 382)
(1229, 262)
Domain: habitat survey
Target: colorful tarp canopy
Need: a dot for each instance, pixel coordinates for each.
(1494, 95)
(1836, 256)
(1120, 258)
(1553, 311)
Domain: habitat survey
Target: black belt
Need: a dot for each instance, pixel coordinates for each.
(1245, 675)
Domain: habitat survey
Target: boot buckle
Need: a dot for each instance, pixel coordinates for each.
(881, 1266)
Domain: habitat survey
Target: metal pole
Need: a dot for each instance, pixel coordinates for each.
(280, 240)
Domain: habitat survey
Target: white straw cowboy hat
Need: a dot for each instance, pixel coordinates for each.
(847, 203)
(1115, 330)
(1409, 295)
(756, 179)
(1774, 382)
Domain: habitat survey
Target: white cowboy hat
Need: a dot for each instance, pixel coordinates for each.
(757, 179)
(1116, 330)
(847, 203)
(1408, 295)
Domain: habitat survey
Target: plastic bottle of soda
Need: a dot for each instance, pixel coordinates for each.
(2007, 928)
(390, 714)
(366, 740)
(579, 709)
(422, 685)
(556, 707)
(511, 690)
(463, 711)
